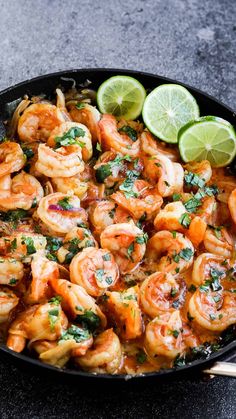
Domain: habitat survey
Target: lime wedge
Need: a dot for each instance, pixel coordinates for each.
(121, 96)
(167, 108)
(208, 138)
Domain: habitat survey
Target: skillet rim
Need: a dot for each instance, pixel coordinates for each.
(197, 364)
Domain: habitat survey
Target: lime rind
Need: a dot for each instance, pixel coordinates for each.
(167, 108)
(121, 96)
(208, 138)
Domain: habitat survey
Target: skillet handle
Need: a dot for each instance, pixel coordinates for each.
(227, 369)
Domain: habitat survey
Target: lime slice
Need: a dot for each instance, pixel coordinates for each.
(121, 96)
(167, 108)
(209, 138)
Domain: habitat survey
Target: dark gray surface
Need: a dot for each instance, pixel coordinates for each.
(192, 41)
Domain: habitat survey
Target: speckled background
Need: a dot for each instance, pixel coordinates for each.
(189, 40)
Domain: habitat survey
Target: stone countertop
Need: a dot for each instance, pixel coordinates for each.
(188, 40)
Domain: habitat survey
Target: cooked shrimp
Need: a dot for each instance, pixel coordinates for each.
(105, 213)
(196, 231)
(89, 116)
(207, 210)
(112, 139)
(219, 242)
(8, 301)
(21, 245)
(166, 175)
(214, 311)
(105, 355)
(123, 309)
(169, 217)
(112, 167)
(153, 147)
(60, 212)
(205, 264)
(225, 184)
(76, 240)
(232, 205)
(43, 270)
(70, 133)
(75, 300)
(95, 270)
(202, 169)
(37, 122)
(12, 158)
(147, 200)
(163, 336)
(22, 191)
(70, 185)
(161, 293)
(74, 342)
(41, 321)
(11, 271)
(126, 242)
(63, 162)
(177, 248)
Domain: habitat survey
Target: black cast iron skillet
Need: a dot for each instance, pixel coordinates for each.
(208, 106)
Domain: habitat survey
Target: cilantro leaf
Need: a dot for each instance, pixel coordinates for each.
(76, 333)
(192, 179)
(89, 319)
(64, 203)
(132, 134)
(70, 137)
(185, 220)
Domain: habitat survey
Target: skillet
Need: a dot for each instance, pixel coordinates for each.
(209, 106)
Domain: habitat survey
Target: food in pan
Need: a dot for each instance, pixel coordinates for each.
(117, 247)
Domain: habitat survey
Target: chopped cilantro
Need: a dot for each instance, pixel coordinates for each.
(192, 288)
(176, 197)
(13, 244)
(28, 152)
(173, 292)
(142, 239)
(34, 203)
(174, 234)
(76, 333)
(186, 253)
(141, 357)
(102, 172)
(106, 257)
(108, 280)
(132, 134)
(89, 319)
(212, 316)
(70, 137)
(53, 317)
(179, 361)
(13, 281)
(130, 251)
(175, 333)
(185, 220)
(192, 204)
(192, 179)
(99, 274)
(29, 242)
(56, 300)
(80, 105)
(64, 203)
(128, 184)
(98, 147)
